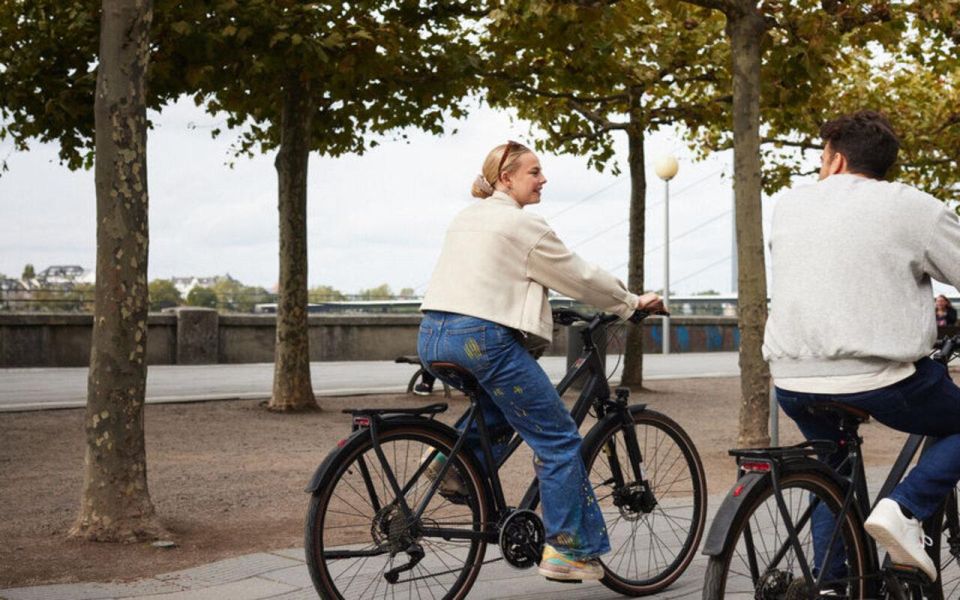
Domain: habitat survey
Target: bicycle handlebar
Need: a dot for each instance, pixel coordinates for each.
(945, 347)
(568, 316)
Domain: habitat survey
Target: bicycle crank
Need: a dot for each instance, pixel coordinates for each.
(521, 539)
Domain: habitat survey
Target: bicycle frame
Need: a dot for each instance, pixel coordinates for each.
(595, 393)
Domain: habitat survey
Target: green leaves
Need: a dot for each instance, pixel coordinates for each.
(582, 73)
(373, 66)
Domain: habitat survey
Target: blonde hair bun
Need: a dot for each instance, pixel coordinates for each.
(502, 159)
(481, 188)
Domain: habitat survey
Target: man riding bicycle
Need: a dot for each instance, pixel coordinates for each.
(851, 322)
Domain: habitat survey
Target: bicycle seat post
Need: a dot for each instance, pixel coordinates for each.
(465, 381)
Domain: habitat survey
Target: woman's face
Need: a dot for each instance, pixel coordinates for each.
(526, 181)
(941, 302)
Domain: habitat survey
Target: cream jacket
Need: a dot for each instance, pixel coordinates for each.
(498, 261)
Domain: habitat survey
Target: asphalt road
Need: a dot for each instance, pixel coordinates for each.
(41, 388)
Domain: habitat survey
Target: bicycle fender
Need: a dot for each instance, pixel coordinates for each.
(599, 429)
(314, 485)
(720, 530)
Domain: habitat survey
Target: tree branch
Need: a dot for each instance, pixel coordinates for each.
(850, 20)
(595, 3)
(928, 163)
(724, 6)
(585, 137)
(594, 118)
(803, 144)
(567, 95)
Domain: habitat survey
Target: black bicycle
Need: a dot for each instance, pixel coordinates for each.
(384, 522)
(761, 546)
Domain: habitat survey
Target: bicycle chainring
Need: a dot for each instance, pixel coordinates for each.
(521, 539)
(777, 585)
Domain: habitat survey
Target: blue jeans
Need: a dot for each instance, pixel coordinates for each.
(927, 403)
(517, 395)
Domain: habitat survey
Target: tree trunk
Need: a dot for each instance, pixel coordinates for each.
(292, 387)
(633, 350)
(116, 505)
(746, 31)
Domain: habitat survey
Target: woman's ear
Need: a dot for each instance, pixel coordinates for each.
(504, 180)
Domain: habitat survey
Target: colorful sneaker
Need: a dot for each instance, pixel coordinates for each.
(557, 565)
(901, 536)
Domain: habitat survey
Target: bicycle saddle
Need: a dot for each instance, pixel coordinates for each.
(844, 412)
(456, 376)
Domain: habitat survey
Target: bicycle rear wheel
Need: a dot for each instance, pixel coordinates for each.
(654, 533)
(357, 534)
(761, 563)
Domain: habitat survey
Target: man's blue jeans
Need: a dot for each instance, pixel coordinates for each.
(517, 395)
(927, 403)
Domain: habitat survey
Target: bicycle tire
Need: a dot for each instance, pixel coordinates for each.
(949, 559)
(342, 515)
(675, 473)
(799, 484)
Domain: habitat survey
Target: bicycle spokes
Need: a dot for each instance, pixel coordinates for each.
(652, 521)
(371, 545)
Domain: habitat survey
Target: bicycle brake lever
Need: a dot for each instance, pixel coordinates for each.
(640, 315)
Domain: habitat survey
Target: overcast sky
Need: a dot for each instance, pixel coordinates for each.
(373, 219)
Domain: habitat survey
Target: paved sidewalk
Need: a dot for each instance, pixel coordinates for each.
(282, 575)
(42, 388)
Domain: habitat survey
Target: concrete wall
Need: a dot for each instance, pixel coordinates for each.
(63, 340)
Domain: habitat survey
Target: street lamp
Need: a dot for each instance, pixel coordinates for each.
(666, 168)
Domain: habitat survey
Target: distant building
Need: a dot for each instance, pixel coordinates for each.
(64, 276)
(13, 293)
(11, 285)
(185, 284)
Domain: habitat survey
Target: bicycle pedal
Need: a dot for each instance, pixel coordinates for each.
(563, 580)
(908, 574)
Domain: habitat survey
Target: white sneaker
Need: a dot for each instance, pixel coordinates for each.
(901, 536)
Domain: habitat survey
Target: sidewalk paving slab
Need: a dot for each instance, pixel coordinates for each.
(229, 570)
(250, 588)
(91, 591)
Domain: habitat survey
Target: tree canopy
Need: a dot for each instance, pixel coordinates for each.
(582, 72)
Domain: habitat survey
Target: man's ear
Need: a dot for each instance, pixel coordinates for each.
(838, 164)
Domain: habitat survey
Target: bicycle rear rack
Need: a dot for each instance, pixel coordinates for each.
(810, 448)
(363, 416)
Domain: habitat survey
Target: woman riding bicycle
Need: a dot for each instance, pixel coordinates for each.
(486, 306)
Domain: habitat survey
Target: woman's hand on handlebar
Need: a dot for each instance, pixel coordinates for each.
(652, 304)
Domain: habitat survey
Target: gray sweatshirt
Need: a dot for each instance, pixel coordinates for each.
(852, 260)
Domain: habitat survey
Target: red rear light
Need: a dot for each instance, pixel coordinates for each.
(361, 421)
(737, 490)
(342, 443)
(762, 467)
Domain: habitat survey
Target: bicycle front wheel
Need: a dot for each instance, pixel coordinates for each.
(360, 544)
(655, 525)
(762, 562)
(950, 548)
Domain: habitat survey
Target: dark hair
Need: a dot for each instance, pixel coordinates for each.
(866, 139)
